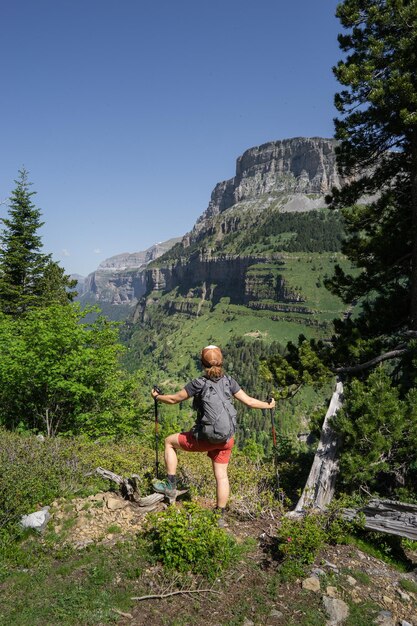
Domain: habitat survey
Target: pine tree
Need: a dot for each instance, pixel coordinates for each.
(28, 277)
(378, 151)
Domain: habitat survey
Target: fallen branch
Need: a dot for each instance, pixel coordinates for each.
(387, 516)
(174, 593)
(128, 615)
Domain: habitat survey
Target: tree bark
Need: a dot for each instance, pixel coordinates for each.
(388, 516)
(413, 276)
(319, 488)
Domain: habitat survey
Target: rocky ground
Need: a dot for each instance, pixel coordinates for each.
(343, 586)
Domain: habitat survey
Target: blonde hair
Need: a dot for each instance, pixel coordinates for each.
(212, 361)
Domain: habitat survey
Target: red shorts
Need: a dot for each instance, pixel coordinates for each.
(218, 452)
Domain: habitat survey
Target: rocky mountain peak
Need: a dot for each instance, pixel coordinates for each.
(135, 260)
(300, 166)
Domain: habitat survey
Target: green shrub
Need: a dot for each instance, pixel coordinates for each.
(360, 576)
(301, 539)
(408, 585)
(33, 473)
(290, 571)
(340, 530)
(188, 539)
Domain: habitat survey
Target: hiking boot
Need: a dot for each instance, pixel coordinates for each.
(221, 519)
(165, 487)
(221, 523)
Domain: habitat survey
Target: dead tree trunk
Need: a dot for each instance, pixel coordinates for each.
(128, 486)
(129, 491)
(388, 516)
(320, 485)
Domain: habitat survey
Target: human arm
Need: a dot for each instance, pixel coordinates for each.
(173, 398)
(253, 403)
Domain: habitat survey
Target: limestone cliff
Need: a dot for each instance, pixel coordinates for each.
(285, 176)
(121, 278)
(298, 171)
(291, 175)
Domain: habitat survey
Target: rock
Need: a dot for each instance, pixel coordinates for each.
(291, 175)
(98, 497)
(115, 504)
(299, 165)
(404, 596)
(388, 600)
(248, 622)
(274, 614)
(404, 623)
(37, 520)
(332, 592)
(312, 584)
(318, 572)
(336, 609)
(331, 565)
(384, 618)
(121, 279)
(79, 545)
(352, 581)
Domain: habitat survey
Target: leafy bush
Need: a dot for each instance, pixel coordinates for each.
(33, 473)
(60, 374)
(301, 539)
(188, 539)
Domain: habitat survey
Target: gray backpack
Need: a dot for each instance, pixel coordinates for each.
(216, 415)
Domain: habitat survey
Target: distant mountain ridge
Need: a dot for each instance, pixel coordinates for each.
(283, 176)
(119, 279)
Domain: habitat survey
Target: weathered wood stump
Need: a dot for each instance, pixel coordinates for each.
(129, 491)
(319, 488)
(128, 486)
(387, 516)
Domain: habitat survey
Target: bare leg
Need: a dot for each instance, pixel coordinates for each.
(171, 444)
(222, 483)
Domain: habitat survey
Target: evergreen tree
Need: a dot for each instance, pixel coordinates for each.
(55, 287)
(28, 277)
(378, 154)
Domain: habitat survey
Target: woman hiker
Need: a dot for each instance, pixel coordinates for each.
(193, 441)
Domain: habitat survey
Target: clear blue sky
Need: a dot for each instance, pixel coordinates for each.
(127, 113)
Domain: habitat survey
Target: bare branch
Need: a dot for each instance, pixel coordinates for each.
(378, 359)
(174, 593)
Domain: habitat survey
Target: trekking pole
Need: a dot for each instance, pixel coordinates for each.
(158, 391)
(275, 451)
(274, 434)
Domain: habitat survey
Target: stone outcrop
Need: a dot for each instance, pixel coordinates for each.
(121, 278)
(295, 167)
